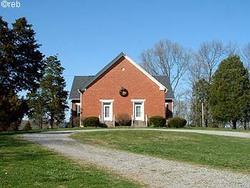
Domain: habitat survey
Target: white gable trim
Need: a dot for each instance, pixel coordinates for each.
(161, 87)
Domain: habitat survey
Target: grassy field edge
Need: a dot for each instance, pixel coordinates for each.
(220, 152)
(25, 164)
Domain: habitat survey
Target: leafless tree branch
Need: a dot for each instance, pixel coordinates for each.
(167, 58)
(208, 56)
(246, 55)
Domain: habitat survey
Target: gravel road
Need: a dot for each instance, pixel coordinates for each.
(151, 171)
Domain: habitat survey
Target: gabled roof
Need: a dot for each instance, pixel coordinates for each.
(83, 82)
(102, 71)
(78, 83)
(115, 60)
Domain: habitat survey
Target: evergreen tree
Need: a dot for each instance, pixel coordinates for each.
(20, 69)
(12, 110)
(29, 64)
(51, 93)
(230, 91)
(36, 105)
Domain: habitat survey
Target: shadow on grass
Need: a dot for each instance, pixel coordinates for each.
(7, 140)
(16, 149)
(56, 132)
(24, 164)
(22, 132)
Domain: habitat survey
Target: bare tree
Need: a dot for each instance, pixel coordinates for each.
(246, 55)
(195, 71)
(167, 58)
(209, 55)
(231, 49)
(183, 104)
(204, 64)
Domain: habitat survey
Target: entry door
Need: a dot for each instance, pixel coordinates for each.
(107, 111)
(139, 111)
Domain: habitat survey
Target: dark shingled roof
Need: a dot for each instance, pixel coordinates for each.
(82, 82)
(165, 81)
(78, 83)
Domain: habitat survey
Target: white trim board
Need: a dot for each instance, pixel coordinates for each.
(161, 87)
(106, 100)
(80, 107)
(138, 100)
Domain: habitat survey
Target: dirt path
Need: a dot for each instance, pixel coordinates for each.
(153, 172)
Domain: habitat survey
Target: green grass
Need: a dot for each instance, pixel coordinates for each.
(216, 151)
(23, 164)
(218, 129)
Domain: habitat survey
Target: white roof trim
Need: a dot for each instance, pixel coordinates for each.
(106, 100)
(161, 87)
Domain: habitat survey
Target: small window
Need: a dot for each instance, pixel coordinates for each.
(106, 111)
(78, 109)
(138, 109)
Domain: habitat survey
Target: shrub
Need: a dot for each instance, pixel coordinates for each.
(91, 122)
(157, 121)
(214, 125)
(76, 122)
(177, 122)
(27, 126)
(103, 125)
(123, 120)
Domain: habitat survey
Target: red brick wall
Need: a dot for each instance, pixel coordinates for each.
(138, 85)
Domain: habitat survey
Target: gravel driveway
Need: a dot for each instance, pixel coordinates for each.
(151, 171)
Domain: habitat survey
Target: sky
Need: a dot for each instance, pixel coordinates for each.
(88, 34)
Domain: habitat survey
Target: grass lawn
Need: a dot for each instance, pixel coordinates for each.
(23, 164)
(216, 151)
(218, 129)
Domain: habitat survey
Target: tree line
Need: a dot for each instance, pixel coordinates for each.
(211, 84)
(30, 83)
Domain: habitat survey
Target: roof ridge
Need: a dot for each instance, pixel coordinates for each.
(104, 69)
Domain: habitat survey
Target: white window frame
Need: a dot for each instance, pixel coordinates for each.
(103, 101)
(142, 101)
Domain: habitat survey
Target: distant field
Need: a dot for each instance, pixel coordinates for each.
(215, 151)
(23, 164)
